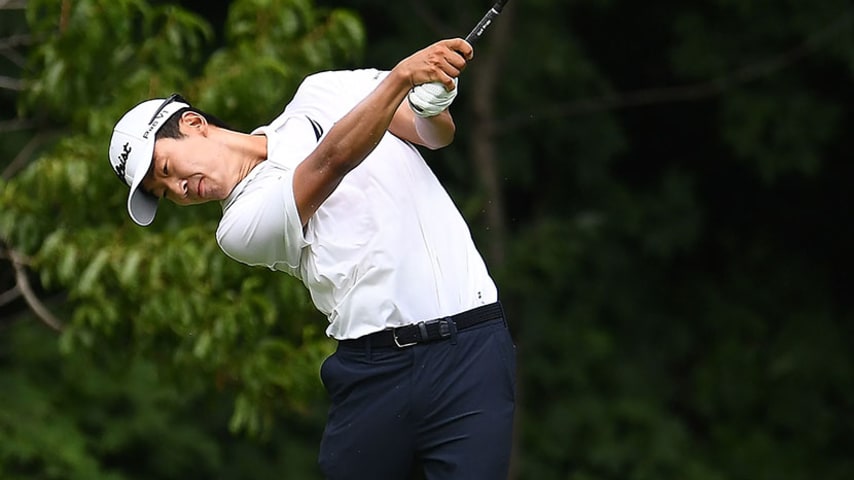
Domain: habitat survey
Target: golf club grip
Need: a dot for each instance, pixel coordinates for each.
(484, 22)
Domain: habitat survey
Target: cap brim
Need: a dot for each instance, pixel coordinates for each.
(142, 206)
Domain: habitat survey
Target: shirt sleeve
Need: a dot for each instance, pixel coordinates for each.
(262, 226)
(332, 94)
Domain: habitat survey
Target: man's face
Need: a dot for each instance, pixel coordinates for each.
(189, 170)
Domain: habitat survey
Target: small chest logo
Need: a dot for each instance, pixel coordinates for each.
(121, 167)
(318, 130)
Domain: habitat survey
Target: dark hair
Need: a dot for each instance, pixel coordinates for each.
(170, 129)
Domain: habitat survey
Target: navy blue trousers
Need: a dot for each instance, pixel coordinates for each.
(444, 407)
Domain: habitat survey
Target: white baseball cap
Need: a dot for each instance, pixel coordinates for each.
(132, 148)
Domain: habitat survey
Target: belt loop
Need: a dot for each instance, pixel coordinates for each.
(452, 327)
(368, 351)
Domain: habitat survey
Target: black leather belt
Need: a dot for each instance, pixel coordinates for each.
(429, 331)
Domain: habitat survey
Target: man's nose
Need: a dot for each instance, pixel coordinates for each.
(178, 188)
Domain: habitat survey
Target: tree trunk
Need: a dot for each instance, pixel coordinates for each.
(486, 70)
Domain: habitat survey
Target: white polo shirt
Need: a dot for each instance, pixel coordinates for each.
(387, 248)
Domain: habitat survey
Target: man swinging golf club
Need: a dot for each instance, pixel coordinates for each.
(334, 192)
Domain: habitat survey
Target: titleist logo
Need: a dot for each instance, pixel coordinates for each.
(121, 167)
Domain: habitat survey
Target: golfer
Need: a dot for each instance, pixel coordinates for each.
(335, 192)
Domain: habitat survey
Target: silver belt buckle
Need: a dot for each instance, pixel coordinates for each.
(397, 342)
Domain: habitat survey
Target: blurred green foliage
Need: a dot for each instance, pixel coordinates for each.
(96, 415)
(166, 293)
(678, 268)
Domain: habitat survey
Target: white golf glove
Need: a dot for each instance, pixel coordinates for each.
(430, 99)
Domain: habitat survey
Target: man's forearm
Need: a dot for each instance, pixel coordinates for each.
(356, 134)
(353, 137)
(346, 144)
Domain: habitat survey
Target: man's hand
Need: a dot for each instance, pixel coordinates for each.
(441, 62)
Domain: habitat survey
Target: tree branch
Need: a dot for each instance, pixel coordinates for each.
(23, 157)
(13, 4)
(8, 47)
(482, 147)
(10, 295)
(14, 57)
(10, 83)
(19, 263)
(15, 125)
(692, 92)
(14, 41)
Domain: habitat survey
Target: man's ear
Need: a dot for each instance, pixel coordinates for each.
(193, 122)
